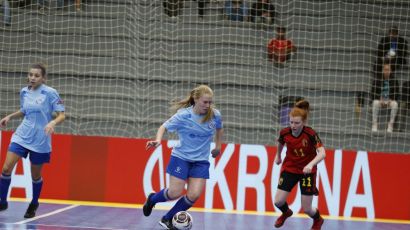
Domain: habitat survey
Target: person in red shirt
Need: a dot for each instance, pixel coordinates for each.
(304, 151)
(280, 48)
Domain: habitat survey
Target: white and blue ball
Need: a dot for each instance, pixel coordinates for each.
(182, 220)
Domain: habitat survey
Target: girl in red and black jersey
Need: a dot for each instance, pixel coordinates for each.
(304, 151)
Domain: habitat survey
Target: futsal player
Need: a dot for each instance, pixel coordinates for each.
(196, 122)
(32, 137)
(304, 151)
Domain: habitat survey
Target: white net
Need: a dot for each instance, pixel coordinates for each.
(118, 63)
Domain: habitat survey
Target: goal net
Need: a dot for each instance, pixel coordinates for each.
(118, 63)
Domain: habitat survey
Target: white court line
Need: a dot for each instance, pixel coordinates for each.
(48, 214)
(73, 227)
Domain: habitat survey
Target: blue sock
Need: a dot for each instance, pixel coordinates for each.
(37, 185)
(182, 204)
(4, 187)
(160, 196)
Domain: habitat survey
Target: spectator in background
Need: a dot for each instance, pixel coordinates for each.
(173, 8)
(392, 47)
(280, 49)
(263, 11)
(6, 13)
(384, 93)
(236, 10)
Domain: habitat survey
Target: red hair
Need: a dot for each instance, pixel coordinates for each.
(301, 109)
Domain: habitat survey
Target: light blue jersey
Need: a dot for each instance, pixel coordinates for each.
(195, 136)
(37, 107)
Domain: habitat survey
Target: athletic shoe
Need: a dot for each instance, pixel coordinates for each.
(281, 220)
(147, 209)
(317, 224)
(4, 206)
(166, 224)
(31, 210)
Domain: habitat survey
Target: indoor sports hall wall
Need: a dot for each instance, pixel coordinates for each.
(109, 169)
(118, 63)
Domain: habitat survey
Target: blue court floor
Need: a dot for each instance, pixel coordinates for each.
(67, 215)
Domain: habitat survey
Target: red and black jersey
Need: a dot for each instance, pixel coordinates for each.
(300, 150)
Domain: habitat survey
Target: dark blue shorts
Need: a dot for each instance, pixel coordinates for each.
(185, 169)
(35, 158)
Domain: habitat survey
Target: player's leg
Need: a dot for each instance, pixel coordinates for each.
(178, 171)
(37, 161)
(195, 188)
(175, 189)
(37, 183)
(197, 174)
(282, 205)
(5, 179)
(312, 212)
(286, 182)
(308, 189)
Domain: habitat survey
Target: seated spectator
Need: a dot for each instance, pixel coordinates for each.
(173, 8)
(280, 48)
(392, 47)
(384, 93)
(263, 11)
(236, 10)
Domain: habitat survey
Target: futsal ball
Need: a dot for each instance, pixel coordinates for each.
(182, 221)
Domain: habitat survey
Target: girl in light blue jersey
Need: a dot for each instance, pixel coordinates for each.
(196, 122)
(32, 137)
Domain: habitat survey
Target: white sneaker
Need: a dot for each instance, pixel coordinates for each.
(374, 127)
(390, 127)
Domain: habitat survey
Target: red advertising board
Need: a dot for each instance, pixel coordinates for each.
(244, 177)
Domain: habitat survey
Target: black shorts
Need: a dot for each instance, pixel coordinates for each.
(307, 182)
